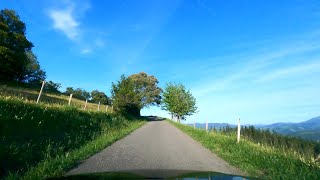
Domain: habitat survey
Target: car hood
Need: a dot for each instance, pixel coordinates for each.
(156, 174)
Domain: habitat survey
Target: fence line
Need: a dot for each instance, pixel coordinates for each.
(85, 105)
(70, 99)
(43, 82)
(238, 129)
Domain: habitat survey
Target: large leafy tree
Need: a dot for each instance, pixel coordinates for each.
(178, 101)
(135, 92)
(17, 62)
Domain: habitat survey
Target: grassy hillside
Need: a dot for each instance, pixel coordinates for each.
(30, 93)
(44, 140)
(256, 159)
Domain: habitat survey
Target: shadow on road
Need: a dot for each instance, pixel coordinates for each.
(153, 118)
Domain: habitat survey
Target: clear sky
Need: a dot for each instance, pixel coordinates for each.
(257, 60)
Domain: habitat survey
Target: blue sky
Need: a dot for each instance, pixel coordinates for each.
(254, 60)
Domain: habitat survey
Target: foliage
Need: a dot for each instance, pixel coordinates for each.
(51, 86)
(17, 62)
(78, 93)
(178, 101)
(33, 73)
(124, 98)
(146, 88)
(54, 136)
(98, 96)
(135, 92)
(255, 159)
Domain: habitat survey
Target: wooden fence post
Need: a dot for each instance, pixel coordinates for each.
(207, 125)
(107, 108)
(70, 99)
(85, 104)
(43, 82)
(99, 106)
(238, 134)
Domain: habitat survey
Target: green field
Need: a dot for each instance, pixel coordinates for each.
(255, 159)
(45, 140)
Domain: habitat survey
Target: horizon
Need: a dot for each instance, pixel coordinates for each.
(248, 60)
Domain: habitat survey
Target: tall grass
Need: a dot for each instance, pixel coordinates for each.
(44, 140)
(256, 160)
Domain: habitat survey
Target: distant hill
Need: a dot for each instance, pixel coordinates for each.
(309, 129)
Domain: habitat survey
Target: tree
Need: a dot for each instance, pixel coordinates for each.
(135, 92)
(124, 98)
(178, 101)
(52, 86)
(17, 62)
(146, 88)
(98, 96)
(33, 74)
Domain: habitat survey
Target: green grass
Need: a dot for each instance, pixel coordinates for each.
(256, 160)
(45, 140)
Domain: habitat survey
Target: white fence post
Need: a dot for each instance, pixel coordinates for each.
(43, 82)
(99, 106)
(207, 125)
(239, 128)
(70, 99)
(85, 105)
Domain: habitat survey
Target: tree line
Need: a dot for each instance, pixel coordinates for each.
(129, 95)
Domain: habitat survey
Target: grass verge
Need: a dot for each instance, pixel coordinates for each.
(254, 159)
(42, 141)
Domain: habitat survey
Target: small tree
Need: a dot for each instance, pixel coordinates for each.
(98, 96)
(178, 101)
(52, 86)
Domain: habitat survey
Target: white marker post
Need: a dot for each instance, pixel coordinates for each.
(70, 99)
(207, 125)
(85, 104)
(99, 106)
(43, 82)
(239, 128)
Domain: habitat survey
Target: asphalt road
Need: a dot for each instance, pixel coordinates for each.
(157, 146)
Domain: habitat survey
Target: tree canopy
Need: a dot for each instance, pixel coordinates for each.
(98, 96)
(17, 61)
(131, 94)
(178, 101)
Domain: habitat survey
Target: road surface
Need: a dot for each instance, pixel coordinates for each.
(158, 147)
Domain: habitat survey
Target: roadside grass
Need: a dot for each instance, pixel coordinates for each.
(45, 140)
(253, 158)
